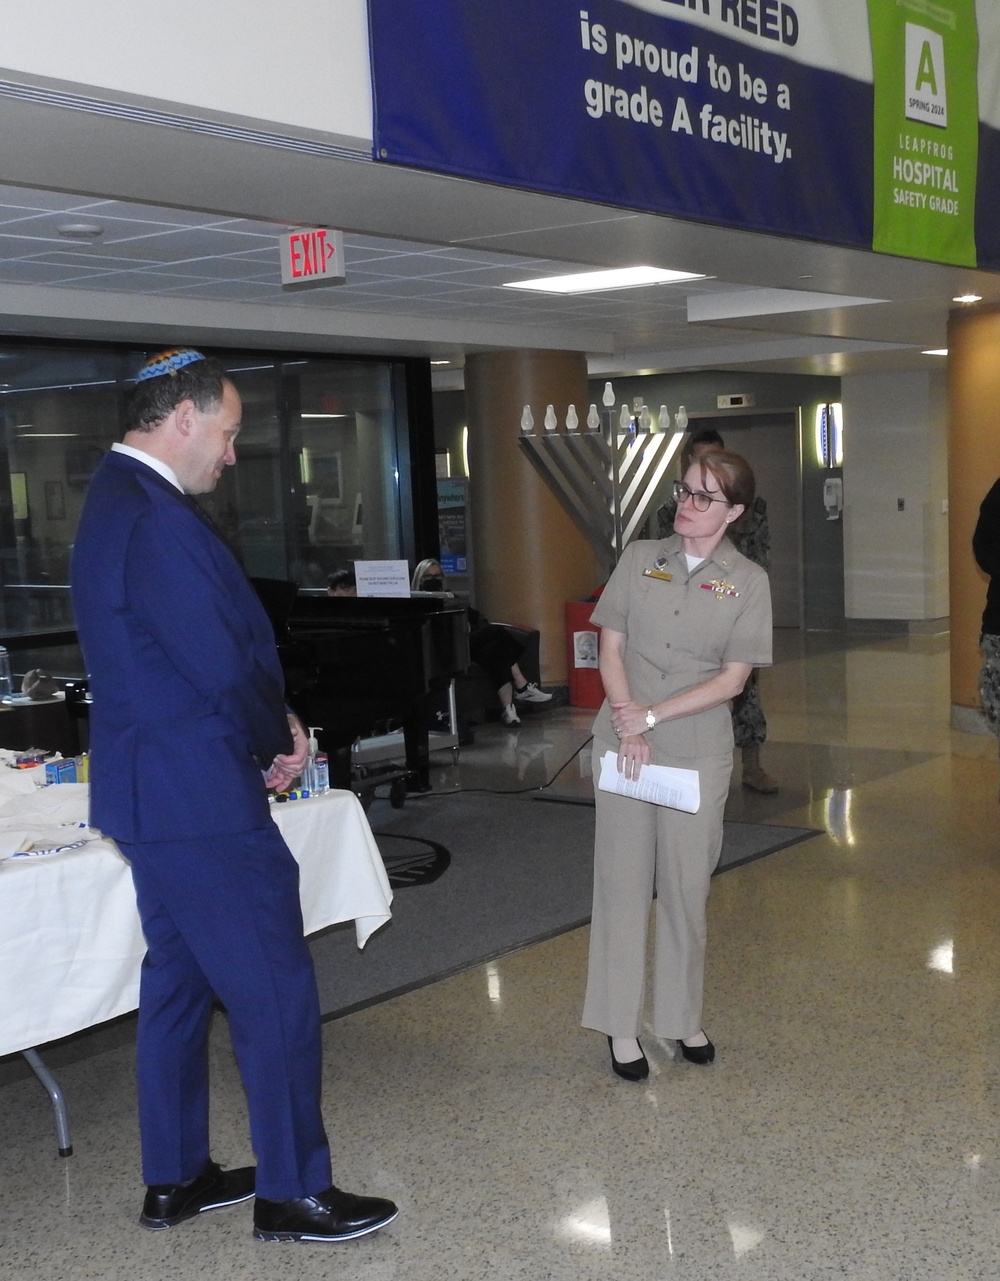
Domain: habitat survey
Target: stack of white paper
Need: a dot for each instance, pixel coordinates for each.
(659, 784)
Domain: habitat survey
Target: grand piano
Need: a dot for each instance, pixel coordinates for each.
(353, 665)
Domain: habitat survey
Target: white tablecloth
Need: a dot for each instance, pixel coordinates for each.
(70, 940)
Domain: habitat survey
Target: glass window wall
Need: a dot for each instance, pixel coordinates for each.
(316, 484)
(344, 483)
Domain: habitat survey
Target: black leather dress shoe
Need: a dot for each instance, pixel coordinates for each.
(169, 1203)
(700, 1054)
(637, 1070)
(328, 1216)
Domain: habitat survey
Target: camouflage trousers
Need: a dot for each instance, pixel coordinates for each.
(989, 681)
(749, 724)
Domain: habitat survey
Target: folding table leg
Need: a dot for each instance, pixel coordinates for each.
(58, 1102)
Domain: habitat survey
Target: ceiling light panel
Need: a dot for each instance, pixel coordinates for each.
(589, 282)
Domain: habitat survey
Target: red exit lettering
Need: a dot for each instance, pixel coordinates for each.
(309, 253)
(310, 257)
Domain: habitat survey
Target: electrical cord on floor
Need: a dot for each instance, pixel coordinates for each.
(512, 791)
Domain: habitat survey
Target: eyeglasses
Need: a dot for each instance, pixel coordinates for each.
(700, 500)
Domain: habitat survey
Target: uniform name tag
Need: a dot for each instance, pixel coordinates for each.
(658, 570)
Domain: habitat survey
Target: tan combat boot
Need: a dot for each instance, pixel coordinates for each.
(755, 777)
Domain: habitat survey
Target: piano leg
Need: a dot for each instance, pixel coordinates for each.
(340, 767)
(417, 744)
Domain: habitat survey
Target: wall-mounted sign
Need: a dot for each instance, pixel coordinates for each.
(452, 499)
(311, 257)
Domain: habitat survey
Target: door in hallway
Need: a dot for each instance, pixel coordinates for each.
(769, 442)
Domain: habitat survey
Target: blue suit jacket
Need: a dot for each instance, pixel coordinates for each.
(186, 683)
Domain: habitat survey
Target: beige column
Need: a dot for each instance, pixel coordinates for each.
(529, 556)
(973, 466)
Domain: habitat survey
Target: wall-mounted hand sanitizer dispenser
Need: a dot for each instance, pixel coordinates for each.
(833, 497)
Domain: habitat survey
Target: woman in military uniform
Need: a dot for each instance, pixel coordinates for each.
(684, 621)
(752, 537)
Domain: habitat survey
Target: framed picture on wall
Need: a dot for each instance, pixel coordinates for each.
(55, 500)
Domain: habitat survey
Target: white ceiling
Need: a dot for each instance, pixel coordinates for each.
(426, 257)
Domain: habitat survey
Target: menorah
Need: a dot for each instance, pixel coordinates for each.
(608, 475)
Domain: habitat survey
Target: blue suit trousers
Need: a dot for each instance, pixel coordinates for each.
(222, 918)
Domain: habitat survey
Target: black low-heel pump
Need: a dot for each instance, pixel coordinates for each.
(700, 1054)
(637, 1070)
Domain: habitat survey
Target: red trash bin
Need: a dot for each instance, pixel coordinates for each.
(585, 688)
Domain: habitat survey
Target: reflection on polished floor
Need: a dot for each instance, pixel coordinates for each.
(850, 1126)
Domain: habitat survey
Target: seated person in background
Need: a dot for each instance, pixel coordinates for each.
(491, 647)
(342, 582)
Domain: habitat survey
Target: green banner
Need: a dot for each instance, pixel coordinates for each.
(925, 53)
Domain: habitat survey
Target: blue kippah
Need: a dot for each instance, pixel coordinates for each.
(168, 362)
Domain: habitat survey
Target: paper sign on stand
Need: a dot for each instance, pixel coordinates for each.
(382, 577)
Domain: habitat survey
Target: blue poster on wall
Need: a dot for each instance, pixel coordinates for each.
(452, 495)
(756, 115)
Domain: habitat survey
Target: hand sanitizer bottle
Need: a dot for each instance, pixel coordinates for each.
(321, 774)
(309, 773)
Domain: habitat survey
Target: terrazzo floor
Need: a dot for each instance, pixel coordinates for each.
(850, 1127)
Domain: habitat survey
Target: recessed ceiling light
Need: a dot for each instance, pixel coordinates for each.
(591, 282)
(440, 362)
(87, 231)
(968, 298)
(323, 415)
(935, 351)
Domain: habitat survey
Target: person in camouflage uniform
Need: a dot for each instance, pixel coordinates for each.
(986, 549)
(752, 538)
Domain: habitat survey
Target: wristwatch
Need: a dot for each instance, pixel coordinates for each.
(650, 718)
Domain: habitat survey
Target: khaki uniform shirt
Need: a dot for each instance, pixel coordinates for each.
(680, 629)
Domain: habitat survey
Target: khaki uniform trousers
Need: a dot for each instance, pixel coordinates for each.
(639, 846)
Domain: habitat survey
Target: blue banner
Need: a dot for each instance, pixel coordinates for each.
(715, 112)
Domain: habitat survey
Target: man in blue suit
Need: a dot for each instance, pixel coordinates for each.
(188, 728)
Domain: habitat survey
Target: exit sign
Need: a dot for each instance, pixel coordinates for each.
(312, 256)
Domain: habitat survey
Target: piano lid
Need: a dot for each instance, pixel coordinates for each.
(314, 611)
(277, 595)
